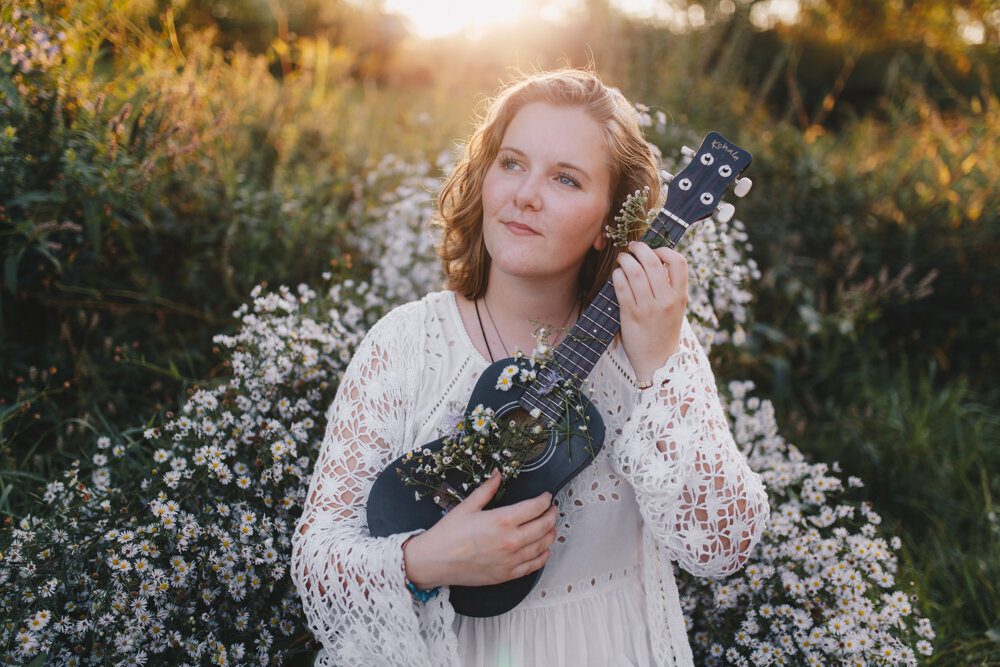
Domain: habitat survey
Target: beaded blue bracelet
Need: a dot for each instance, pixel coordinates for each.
(423, 596)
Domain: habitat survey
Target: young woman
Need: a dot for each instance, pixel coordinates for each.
(524, 216)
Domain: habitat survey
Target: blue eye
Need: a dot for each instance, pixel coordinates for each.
(508, 162)
(566, 179)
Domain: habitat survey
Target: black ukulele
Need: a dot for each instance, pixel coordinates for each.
(393, 507)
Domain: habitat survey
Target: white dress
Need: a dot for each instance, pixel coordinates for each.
(607, 595)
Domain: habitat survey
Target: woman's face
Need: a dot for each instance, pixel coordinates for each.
(546, 196)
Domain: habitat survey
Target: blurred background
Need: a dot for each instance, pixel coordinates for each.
(159, 158)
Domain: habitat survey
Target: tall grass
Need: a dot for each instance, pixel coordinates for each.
(147, 182)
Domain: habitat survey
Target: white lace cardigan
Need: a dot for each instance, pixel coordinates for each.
(700, 503)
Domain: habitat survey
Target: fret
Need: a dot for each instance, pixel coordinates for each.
(595, 348)
(664, 213)
(549, 405)
(582, 348)
(600, 326)
(613, 304)
(667, 227)
(581, 369)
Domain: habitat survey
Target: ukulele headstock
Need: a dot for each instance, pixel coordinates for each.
(696, 192)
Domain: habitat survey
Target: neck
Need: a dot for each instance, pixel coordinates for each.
(519, 304)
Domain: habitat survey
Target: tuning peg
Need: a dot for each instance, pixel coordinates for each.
(742, 187)
(725, 212)
(666, 176)
(688, 151)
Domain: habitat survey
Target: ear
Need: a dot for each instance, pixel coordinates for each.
(601, 242)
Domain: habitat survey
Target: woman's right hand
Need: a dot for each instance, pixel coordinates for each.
(472, 546)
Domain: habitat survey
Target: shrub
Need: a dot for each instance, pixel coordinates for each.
(180, 532)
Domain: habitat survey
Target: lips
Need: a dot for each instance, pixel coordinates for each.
(520, 230)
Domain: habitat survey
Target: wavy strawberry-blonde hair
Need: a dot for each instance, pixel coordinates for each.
(632, 163)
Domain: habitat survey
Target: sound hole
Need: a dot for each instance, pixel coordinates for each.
(533, 444)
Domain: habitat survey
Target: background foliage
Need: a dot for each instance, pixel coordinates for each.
(158, 159)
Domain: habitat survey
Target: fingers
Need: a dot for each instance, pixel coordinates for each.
(651, 266)
(538, 528)
(533, 563)
(475, 547)
(525, 511)
(651, 286)
(622, 288)
(677, 271)
(478, 499)
(645, 274)
(538, 537)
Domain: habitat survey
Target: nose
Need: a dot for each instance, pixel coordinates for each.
(528, 193)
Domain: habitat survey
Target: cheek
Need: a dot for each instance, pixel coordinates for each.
(492, 192)
(592, 220)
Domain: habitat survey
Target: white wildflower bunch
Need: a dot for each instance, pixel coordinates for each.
(174, 547)
(720, 271)
(397, 237)
(30, 44)
(821, 586)
(478, 441)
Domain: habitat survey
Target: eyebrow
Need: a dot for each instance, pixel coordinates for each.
(565, 165)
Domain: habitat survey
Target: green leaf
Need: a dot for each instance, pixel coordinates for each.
(10, 265)
(30, 197)
(45, 252)
(4, 495)
(39, 660)
(7, 87)
(92, 216)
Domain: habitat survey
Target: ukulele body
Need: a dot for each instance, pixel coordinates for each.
(393, 507)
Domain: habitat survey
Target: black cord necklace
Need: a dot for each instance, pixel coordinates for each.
(483, 331)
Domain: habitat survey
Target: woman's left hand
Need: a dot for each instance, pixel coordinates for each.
(651, 286)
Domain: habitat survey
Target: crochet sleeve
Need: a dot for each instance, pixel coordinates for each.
(352, 585)
(698, 496)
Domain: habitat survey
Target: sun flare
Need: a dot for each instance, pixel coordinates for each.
(436, 18)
